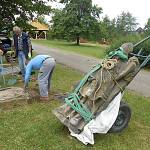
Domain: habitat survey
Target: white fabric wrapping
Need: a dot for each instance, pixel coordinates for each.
(101, 124)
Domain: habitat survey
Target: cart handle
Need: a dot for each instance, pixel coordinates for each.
(140, 42)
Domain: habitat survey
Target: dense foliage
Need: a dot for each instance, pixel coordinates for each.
(117, 42)
(126, 23)
(82, 19)
(77, 19)
(18, 12)
(147, 27)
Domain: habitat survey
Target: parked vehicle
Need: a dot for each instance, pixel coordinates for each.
(5, 46)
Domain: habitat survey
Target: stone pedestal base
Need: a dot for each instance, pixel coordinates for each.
(12, 94)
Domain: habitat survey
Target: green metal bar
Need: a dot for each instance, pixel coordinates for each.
(79, 107)
(140, 42)
(82, 82)
(75, 97)
(145, 62)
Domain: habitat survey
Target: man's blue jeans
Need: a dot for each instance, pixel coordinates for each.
(22, 61)
(45, 75)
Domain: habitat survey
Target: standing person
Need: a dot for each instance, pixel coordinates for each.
(45, 64)
(22, 45)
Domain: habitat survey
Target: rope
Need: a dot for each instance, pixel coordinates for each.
(115, 81)
(107, 64)
(100, 83)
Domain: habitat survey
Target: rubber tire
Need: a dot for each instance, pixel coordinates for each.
(123, 118)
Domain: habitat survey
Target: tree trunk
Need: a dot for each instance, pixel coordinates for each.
(78, 40)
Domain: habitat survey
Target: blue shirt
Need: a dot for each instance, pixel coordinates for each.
(34, 64)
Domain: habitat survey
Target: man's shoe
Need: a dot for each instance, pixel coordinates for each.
(44, 99)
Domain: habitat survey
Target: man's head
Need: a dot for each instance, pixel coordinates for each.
(17, 30)
(127, 47)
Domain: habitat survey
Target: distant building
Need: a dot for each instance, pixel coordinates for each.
(139, 30)
(40, 31)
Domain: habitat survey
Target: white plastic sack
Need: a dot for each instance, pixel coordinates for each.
(101, 124)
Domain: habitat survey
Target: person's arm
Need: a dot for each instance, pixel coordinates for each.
(28, 74)
(30, 47)
(13, 45)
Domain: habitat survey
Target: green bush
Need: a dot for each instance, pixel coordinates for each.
(145, 51)
(146, 47)
(117, 42)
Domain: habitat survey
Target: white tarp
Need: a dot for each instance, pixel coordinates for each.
(101, 124)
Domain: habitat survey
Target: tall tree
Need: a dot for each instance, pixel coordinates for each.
(77, 18)
(57, 27)
(107, 28)
(126, 23)
(146, 45)
(20, 11)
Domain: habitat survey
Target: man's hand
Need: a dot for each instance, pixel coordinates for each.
(27, 95)
(25, 89)
(29, 55)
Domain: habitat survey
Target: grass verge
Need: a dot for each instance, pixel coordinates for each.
(34, 127)
(94, 50)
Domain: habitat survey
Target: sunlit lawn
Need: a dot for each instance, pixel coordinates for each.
(89, 49)
(33, 126)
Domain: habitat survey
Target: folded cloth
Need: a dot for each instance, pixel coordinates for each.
(101, 124)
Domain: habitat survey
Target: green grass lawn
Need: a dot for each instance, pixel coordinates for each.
(89, 49)
(33, 126)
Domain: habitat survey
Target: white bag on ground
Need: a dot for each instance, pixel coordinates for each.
(101, 124)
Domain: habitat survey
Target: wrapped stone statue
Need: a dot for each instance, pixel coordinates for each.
(98, 88)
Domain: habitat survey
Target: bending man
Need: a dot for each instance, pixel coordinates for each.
(45, 64)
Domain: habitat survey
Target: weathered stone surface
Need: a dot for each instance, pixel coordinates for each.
(11, 94)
